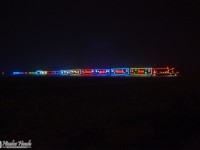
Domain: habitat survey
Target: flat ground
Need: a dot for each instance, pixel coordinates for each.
(101, 113)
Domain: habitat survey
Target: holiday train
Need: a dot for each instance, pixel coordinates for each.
(129, 72)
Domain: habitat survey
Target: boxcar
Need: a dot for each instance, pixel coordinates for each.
(102, 72)
(75, 72)
(65, 72)
(120, 72)
(87, 72)
(141, 72)
(164, 72)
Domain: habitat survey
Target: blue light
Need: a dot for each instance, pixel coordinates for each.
(18, 73)
(40, 72)
(65, 72)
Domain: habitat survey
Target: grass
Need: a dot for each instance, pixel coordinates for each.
(101, 113)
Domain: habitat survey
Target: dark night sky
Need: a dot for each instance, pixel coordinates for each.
(78, 34)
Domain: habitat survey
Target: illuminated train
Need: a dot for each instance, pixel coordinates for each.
(114, 72)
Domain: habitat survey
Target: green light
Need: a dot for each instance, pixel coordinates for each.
(32, 73)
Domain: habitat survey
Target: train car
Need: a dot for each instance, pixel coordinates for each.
(144, 72)
(102, 72)
(87, 72)
(65, 72)
(53, 73)
(41, 72)
(120, 72)
(164, 72)
(75, 72)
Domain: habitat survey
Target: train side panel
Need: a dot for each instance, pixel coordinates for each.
(75, 72)
(120, 72)
(141, 72)
(164, 72)
(102, 72)
(87, 72)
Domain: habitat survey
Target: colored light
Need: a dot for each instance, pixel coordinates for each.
(119, 71)
(31, 73)
(140, 71)
(75, 72)
(65, 72)
(18, 73)
(40, 72)
(87, 71)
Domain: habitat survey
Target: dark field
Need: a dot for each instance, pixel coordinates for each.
(101, 113)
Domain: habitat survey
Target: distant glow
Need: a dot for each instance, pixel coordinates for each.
(31, 73)
(18, 73)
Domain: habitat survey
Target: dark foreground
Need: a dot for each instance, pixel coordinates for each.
(101, 113)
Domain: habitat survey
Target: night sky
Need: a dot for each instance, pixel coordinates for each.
(99, 34)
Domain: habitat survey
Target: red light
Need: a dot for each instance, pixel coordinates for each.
(87, 71)
(119, 71)
(102, 72)
(140, 70)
